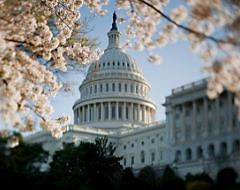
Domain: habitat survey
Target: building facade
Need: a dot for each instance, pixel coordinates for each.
(198, 134)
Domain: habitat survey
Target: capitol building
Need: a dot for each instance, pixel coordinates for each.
(198, 134)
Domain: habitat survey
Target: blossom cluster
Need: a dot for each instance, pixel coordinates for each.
(211, 27)
(34, 42)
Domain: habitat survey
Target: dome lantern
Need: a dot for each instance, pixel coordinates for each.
(113, 34)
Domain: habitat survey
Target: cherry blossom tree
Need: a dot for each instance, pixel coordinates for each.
(211, 27)
(38, 38)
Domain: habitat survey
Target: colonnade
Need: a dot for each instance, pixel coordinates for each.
(114, 110)
(202, 118)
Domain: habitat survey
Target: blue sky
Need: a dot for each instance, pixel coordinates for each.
(179, 66)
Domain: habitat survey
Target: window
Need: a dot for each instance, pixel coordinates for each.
(99, 112)
(113, 112)
(153, 156)
(119, 87)
(142, 156)
(95, 88)
(153, 141)
(120, 112)
(199, 152)
(106, 87)
(188, 154)
(142, 142)
(236, 147)
(127, 117)
(124, 147)
(100, 87)
(132, 160)
(131, 87)
(178, 156)
(223, 149)
(124, 161)
(132, 145)
(125, 87)
(106, 111)
(113, 87)
(90, 89)
(211, 151)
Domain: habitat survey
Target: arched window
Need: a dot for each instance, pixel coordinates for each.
(199, 152)
(178, 156)
(223, 149)
(211, 151)
(142, 156)
(188, 154)
(236, 147)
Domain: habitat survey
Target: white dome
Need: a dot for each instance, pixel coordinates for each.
(116, 60)
(114, 93)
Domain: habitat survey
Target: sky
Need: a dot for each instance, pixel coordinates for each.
(179, 65)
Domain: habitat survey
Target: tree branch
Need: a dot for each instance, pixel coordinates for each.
(18, 41)
(197, 33)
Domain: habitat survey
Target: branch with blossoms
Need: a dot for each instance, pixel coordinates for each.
(205, 20)
(26, 43)
(185, 28)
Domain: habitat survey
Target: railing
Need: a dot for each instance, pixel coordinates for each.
(189, 86)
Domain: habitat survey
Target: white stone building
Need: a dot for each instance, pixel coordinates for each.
(198, 135)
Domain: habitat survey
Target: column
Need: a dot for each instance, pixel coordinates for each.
(95, 112)
(117, 110)
(194, 120)
(229, 111)
(124, 111)
(144, 114)
(102, 111)
(183, 125)
(138, 112)
(78, 115)
(83, 114)
(131, 112)
(109, 110)
(88, 113)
